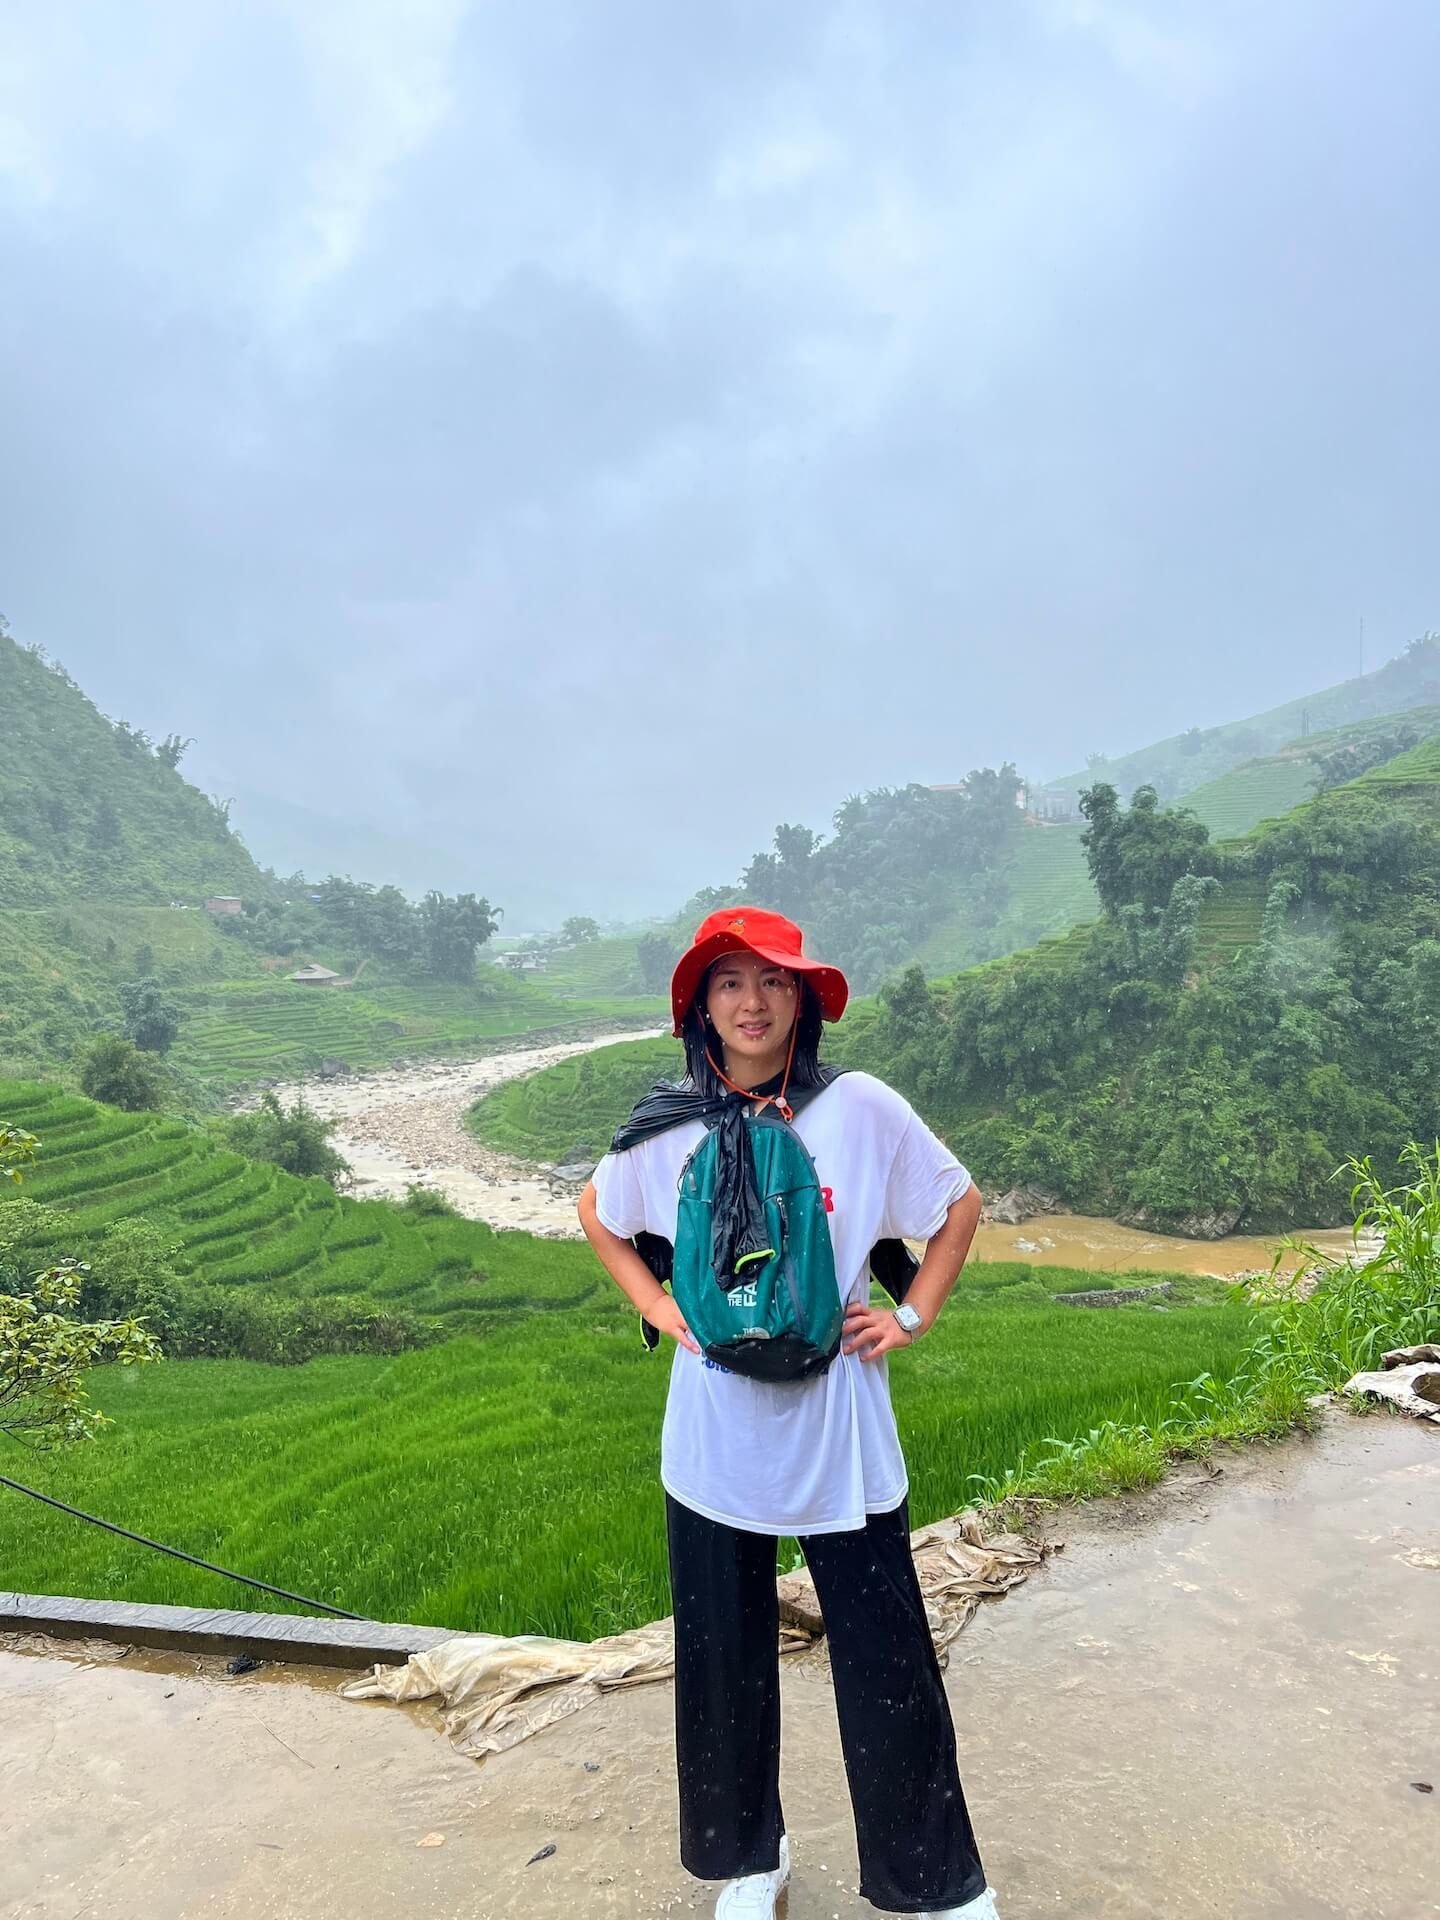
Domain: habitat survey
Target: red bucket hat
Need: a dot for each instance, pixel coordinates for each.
(753, 930)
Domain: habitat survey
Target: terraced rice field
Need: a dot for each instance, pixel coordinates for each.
(574, 1105)
(509, 1484)
(604, 969)
(245, 1223)
(1263, 790)
(506, 1479)
(1229, 921)
(234, 1033)
(1419, 769)
(1050, 892)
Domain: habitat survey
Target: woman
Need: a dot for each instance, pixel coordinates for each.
(747, 1460)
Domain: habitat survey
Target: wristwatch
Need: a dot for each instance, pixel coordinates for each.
(909, 1320)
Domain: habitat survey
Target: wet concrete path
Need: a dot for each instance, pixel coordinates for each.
(1211, 1706)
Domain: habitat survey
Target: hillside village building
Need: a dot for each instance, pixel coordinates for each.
(315, 977)
(224, 903)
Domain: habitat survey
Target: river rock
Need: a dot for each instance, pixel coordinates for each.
(1020, 1204)
(1208, 1223)
(574, 1173)
(1113, 1296)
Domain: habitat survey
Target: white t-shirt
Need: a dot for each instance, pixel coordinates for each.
(800, 1456)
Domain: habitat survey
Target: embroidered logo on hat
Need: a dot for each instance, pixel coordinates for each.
(737, 926)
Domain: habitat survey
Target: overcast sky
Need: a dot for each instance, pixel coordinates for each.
(537, 446)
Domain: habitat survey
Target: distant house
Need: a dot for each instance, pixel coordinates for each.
(1054, 805)
(224, 903)
(314, 977)
(523, 962)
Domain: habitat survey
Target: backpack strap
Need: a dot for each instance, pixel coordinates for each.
(892, 1264)
(659, 1256)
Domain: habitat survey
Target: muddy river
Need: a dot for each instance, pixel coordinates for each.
(407, 1125)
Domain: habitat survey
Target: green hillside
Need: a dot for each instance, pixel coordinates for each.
(1047, 885)
(241, 1017)
(1416, 773)
(1260, 790)
(1205, 1065)
(91, 810)
(106, 857)
(1186, 761)
(238, 1031)
(574, 1106)
(607, 968)
(1197, 1061)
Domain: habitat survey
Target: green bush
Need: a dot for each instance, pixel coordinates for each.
(115, 1071)
(246, 1324)
(293, 1138)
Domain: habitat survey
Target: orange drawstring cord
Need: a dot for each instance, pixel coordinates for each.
(782, 1105)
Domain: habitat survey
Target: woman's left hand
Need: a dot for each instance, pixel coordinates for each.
(871, 1331)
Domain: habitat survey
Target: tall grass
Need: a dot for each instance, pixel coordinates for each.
(1311, 1330)
(1331, 1318)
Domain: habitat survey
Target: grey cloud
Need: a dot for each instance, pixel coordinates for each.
(565, 440)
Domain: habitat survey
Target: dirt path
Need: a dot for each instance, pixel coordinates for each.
(1214, 1702)
(408, 1125)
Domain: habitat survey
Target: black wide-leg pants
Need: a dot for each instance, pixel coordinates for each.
(917, 1847)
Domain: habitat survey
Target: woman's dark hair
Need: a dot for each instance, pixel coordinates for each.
(696, 1038)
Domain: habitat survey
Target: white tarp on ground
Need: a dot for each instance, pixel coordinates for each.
(496, 1691)
(1409, 1378)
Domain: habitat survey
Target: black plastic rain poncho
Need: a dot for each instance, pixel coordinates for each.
(739, 1214)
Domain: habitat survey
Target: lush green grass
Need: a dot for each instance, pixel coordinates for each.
(243, 1223)
(1313, 1329)
(506, 1481)
(510, 1483)
(574, 1106)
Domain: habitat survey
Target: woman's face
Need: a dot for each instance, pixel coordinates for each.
(752, 1005)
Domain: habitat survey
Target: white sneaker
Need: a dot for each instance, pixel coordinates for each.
(753, 1896)
(982, 1907)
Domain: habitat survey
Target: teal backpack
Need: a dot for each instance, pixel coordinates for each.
(780, 1318)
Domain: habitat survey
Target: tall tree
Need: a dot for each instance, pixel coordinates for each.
(454, 930)
(1136, 856)
(151, 1020)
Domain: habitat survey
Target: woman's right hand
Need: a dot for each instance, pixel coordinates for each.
(665, 1316)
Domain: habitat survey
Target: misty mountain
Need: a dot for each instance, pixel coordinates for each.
(92, 809)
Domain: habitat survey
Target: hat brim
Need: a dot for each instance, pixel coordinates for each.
(830, 986)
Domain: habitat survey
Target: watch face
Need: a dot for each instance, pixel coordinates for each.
(908, 1318)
